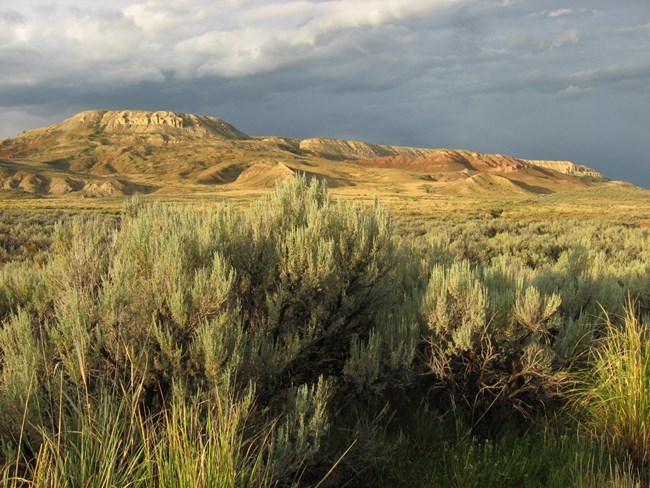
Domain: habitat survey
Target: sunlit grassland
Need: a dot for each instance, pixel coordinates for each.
(414, 210)
(623, 203)
(174, 341)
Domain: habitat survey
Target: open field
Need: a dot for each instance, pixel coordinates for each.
(461, 355)
(415, 211)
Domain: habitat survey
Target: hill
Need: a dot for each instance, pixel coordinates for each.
(484, 184)
(103, 153)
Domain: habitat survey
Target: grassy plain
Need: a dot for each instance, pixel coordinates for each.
(439, 422)
(27, 219)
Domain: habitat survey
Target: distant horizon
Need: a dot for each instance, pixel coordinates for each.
(522, 157)
(550, 79)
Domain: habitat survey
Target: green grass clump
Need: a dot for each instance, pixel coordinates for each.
(440, 450)
(615, 394)
(110, 442)
(531, 461)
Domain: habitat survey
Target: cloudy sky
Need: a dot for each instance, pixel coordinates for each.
(541, 79)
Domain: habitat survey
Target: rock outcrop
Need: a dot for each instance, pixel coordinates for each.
(446, 160)
(566, 167)
(454, 160)
(160, 122)
(342, 149)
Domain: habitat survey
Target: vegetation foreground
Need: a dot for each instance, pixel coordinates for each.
(302, 342)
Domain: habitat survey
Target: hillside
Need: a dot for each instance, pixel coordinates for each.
(107, 153)
(484, 184)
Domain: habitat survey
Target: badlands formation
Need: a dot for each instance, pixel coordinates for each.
(112, 153)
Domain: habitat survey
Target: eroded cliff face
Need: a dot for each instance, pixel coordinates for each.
(566, 167)
(450, 160)
(160, 122)
(430, 159)
(341, 149)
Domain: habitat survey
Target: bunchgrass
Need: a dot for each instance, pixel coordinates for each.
(203, 445)
(109, 442)
(614, 398)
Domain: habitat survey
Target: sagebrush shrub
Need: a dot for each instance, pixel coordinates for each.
(301, 301)
(489, 365)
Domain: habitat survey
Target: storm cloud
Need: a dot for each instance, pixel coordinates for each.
(540, 79)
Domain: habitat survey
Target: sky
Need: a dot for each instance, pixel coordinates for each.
(537, 79)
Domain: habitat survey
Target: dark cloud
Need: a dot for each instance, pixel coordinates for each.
(543, 79)
(12, 17)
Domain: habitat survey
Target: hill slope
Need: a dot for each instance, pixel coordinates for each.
(97, 153)
(484, 184)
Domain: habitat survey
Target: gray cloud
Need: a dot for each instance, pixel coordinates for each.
(627, 75)
(565, 80)
(12, 17)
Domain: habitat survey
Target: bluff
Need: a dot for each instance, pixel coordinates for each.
(566, 167)
(102, 152)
